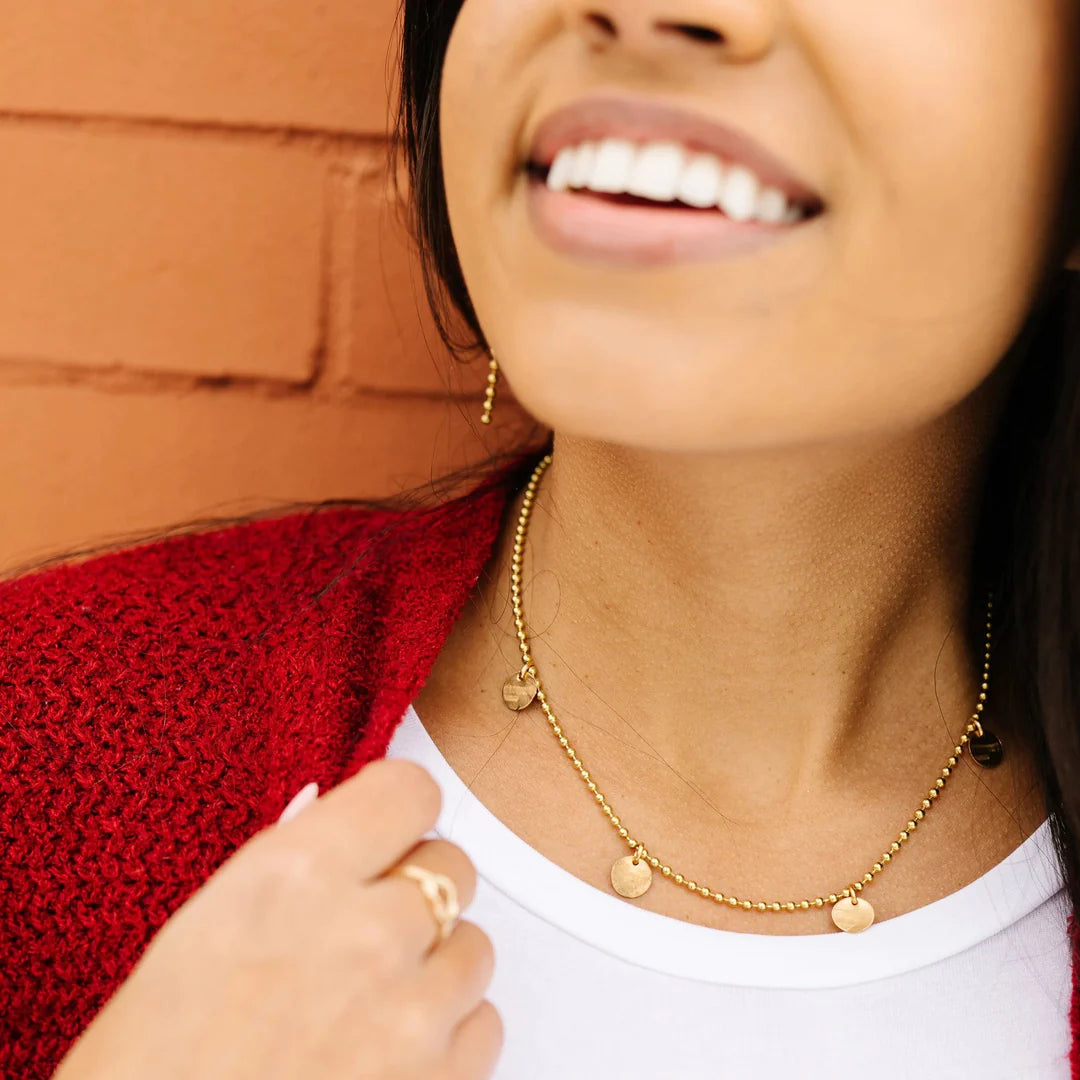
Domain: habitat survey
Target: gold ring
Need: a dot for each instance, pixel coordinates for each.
(441, 894)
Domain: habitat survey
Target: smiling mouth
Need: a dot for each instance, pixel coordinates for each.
(620, 227)
(639, 182)
(664, 175)
(784, 212)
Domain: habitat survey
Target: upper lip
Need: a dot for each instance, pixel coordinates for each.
(615, 116)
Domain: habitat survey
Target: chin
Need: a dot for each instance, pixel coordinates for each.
(710, 423)
(661, 425)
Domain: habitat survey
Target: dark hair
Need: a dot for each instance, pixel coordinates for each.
(1029, 517)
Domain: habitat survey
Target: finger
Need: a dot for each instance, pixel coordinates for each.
(411, 909)
(304, 797)
(476, 1044)
(365, 824)
(458, 973)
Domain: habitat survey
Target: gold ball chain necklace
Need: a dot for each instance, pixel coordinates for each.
(631, 875)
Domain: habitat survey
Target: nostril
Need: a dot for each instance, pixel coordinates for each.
(602, 23)
(698, 33)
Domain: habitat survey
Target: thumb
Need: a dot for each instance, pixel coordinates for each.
(304, 797)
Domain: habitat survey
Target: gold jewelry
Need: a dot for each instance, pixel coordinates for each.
(441, 894)
(489, 393)
(632, 874)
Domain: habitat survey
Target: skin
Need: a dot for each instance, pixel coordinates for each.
(747, 563)
(306, 954)
(749, 559)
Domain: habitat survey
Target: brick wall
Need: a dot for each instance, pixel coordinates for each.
(207, 305)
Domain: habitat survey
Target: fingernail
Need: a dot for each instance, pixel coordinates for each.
(304, 797)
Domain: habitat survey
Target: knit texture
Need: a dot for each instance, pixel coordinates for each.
(160, 705)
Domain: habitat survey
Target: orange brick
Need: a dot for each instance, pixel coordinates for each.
(160, 251)
(80, 466)
(275, 62)
(381, 334)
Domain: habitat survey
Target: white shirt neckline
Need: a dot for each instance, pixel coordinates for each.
(1026, 878)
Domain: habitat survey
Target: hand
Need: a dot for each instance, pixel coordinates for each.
(304, 956)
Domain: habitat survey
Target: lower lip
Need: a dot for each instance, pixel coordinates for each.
(592, 227)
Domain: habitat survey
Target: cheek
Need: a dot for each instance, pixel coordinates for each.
(490, 81)
(955, 172)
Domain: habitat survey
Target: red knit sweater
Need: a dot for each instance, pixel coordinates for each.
(160, 705)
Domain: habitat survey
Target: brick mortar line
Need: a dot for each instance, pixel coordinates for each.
(51, 373)
(111, 124)
(320, 353)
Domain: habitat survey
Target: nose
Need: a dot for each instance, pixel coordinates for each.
(734, 30)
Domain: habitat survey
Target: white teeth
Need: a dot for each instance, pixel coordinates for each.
(558, 177)
(699, 184)
(665, 171)
(611, 170)
(656, 170)
(583, 164)
(738, 195)
(772, 205)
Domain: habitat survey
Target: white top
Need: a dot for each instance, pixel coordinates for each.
(975, 985)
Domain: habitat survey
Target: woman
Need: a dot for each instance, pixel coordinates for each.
(751, 705)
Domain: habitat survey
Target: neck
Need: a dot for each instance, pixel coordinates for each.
(764, 660)
(784, 615)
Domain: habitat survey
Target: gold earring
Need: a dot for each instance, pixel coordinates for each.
(489, 394)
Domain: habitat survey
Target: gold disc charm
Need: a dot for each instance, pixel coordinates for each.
(986, 749)
(852, 913)
(631, 876)
(519, 691)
